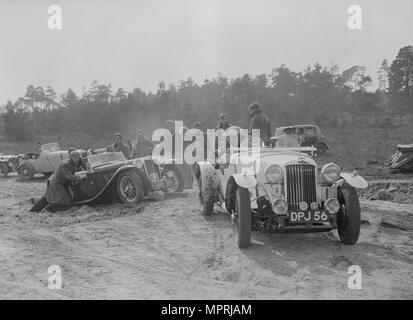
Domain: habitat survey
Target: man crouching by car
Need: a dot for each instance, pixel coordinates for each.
(57, 196)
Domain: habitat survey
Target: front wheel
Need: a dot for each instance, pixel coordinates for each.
(348, 217)
(243, 210)
(4, 169)
(130, 187)
(206, 199)
(26, 172)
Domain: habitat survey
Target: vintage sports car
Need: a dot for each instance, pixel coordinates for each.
(281, 191)
(111, 177)
(310, 136)
(9, 163)
(402, 160)
(44, 162)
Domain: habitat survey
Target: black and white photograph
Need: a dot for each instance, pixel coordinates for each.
(206, 150)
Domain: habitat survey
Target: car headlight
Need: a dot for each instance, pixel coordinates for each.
(330, 172)
(138, 163)
(332, 205)
(273, 173)
(279, 206)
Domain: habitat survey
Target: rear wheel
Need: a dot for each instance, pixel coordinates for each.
(26, 172)
(130, 187)
(348, 217)
(243, 210)
(4, 169)
(174, 179)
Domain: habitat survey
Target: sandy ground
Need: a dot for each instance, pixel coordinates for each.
(168, 250)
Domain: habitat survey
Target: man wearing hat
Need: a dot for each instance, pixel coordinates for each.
(57, 193)
(288, 139)
(143, 146)
(259, 121)
(223, 123)
(119, 146)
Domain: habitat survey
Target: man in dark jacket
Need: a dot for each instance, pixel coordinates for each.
(260, 121)
(119, 146)
(223, 122)
(57, 194)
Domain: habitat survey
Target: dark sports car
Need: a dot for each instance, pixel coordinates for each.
(111, 178)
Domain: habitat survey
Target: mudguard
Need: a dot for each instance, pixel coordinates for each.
(245, 181)
(354, 180)
(209, 178)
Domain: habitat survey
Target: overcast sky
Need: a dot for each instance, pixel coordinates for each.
(139, 43)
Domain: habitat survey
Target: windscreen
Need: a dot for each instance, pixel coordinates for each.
(106, 158)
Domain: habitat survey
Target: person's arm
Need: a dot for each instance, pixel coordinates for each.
(67, 172)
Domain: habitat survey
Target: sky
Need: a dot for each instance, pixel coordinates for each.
(139, 43)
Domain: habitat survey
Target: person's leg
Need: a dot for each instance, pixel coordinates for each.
(39, 205)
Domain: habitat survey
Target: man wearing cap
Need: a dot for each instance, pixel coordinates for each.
(223, 122)
(143, 146)
(57, 193)
(288, 139)
(119, 146)
(259, 121)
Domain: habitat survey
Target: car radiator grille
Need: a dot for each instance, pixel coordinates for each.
(301, 185)
(151, 167)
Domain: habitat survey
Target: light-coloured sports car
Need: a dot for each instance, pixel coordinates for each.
(281, 190)
(45, 162)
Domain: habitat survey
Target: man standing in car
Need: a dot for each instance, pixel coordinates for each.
(119, 146)
(259, 121)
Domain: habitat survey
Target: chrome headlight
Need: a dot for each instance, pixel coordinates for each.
(138, 163)
(273, 173)
(330, 172)
(332, 205)
(279, 206)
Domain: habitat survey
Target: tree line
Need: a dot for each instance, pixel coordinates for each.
(322, 95)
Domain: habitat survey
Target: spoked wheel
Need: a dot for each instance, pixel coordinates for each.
(174, 180)
(130, 187)
(4, 169)
(348, 217)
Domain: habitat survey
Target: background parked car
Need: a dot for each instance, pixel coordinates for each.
(309, 135)
(402, 160)
(9, 163)
(45, 162)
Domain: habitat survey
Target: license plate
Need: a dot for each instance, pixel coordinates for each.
(308, 216)
(153, 177)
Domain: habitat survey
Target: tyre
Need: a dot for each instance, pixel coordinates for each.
(243, 210)
(26, 172)
(348, 217)
(4, 169)
(174, 179)
(206, 199)
(130, 187)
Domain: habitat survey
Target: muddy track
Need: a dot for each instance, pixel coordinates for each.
(168, 250)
